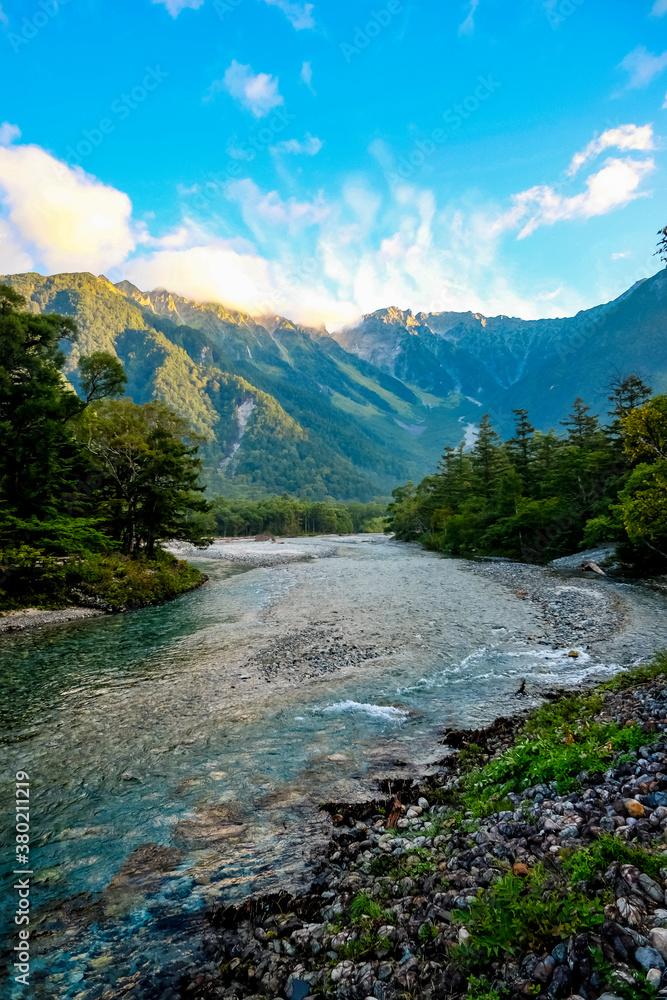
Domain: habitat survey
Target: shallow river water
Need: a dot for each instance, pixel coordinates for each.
(211, 728)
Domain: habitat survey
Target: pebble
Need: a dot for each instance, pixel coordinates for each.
(418, 925)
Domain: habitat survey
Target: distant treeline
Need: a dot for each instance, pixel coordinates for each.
(538, 496)
(288, 516)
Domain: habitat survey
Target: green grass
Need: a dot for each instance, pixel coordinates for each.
(416, 861)
(558, 742)
(354, 950)
(586, 864)
(519, 914)
(639, 990)
(479, 988)
(365, 906)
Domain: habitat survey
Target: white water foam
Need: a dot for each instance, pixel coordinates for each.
(389, 712)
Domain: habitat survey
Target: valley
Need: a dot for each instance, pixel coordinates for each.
(348, 415)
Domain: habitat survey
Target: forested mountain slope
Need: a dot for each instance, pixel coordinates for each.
(284, 408)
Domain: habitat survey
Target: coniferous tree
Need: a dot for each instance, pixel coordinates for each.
(487, 457)
(582, 428)
(521, 445)
(626, 393)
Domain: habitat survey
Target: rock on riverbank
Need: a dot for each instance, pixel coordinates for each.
(561, 893)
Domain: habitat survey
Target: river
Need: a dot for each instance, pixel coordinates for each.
(212, 727)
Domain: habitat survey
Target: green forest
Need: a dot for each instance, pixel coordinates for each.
(290, 516)
(89, 481)
(538, 496)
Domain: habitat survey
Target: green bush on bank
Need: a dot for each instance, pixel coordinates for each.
(127, 583)
(528, 913)
(120, 582)
(558, 742)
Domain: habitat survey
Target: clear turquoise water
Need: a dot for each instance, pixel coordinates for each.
(122, 725)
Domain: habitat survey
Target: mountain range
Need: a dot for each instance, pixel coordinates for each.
(284, 408)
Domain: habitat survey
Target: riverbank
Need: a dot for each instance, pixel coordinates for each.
(206, 731)
(532, 862)
(97, 585)
(27, 618)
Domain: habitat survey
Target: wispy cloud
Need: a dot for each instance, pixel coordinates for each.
(625, 137)
(642, 67)
(312, 258)
(261, 209)
(310, 146)
(621, 254)
(300, 15)
(8, 133)
(176, 6)
(659, 8)
(3, 17)
(258, 92)
(307, 75)
(613, 187)
(468, 26)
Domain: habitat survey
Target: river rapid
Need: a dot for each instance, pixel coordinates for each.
(177, 755)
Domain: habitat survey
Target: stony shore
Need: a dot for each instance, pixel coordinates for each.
(18, 621)
(439, 890)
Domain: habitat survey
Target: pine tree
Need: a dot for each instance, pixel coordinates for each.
(582, 428)
(521, 445)
(488, 458)
(626, 393)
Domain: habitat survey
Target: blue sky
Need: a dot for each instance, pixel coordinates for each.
(320, 160)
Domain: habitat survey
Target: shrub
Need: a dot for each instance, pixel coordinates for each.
(518, 914)
(586, 864)
(126, 582)
(364, 905)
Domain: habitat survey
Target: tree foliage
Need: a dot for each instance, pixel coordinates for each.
(81, 474)
(538, 496)
(289, 516)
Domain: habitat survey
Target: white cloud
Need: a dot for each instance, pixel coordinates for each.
(14, 257)
(3, 17)
(212, 271)
(310, 146)
(621, 254)
(624, 137)
(60, 216)
(642, 66)
(311, 259)
(468, 26)
(176, 6)
(8, 133)
(659, 8)
(239, 152)
(300, 15)
(256, 92)
(265, 210)
(613, 187)
(307, 75)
